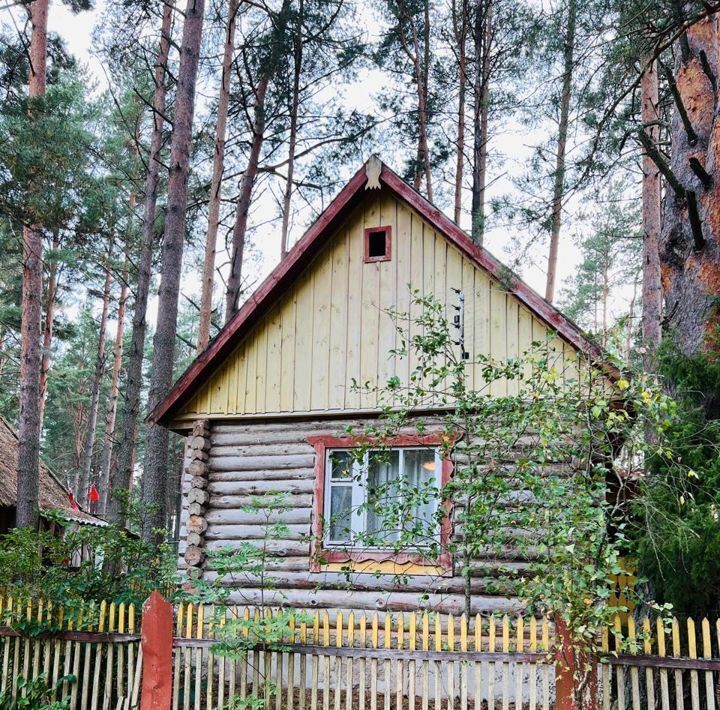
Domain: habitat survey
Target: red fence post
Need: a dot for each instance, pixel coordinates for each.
(566, 663)
(157, 640)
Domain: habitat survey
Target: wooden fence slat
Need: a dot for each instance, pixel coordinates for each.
(532, 680)
(426, 663)
(412, 666)
(291, 666)
(707, 653)
(619, 670)
(387, 678)
(634, 672)
(374, 664)
(399, 664)
(187, 657)
(664, 687)
(463, 666)
(178, 652)
(493, 666)
(677, 651)
(692, 652)
(339, 626)
(349, 683)
(363, 663)
(451, 664)
(437, 668)
(477, 637)
(649, 672)
(199, 633)
(519, 667)
(303, 666)
(546, 667)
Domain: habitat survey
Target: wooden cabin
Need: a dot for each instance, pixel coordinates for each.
(53, 494)
(265, 406)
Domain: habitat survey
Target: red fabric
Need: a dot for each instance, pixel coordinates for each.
(93, 496)
(71, 498)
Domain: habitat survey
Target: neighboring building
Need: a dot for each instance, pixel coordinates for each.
(53, 495)
(265, 406)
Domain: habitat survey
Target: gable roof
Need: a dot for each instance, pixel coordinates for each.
(53, 494)
(372, 175)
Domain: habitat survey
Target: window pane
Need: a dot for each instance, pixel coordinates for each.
(340, 513)
(382, 496)
(341, 465)
(422, 478)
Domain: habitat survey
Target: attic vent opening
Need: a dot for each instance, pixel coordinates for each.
(377, 244)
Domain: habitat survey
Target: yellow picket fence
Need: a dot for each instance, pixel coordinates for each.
(365, 662)
(663, 663)
(97, 647)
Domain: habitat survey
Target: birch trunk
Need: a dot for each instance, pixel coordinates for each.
(121, 476)
(154, 490)
(292, 140)
(50, 298)
(560, 166)
(483, 42)
(652, 221)
(91, 427)
(28, 465)
(242, 209)
(689, 249)
(208, 276)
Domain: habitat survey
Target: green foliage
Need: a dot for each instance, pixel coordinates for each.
(536, 448)
(678, 543)
(36, 694)
(84, 564)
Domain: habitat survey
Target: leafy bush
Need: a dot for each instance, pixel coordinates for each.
(36, 694)
(84, 564)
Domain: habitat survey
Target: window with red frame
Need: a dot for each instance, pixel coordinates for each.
(360, 496)
(378, 244)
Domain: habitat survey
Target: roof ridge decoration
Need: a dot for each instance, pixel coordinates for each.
(372, 175)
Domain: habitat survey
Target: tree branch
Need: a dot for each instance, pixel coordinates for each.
(695, 223)
(702, 174)
(687, 124)
(705, 64)
(654, 154)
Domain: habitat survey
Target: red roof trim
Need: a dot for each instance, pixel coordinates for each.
(307, 248)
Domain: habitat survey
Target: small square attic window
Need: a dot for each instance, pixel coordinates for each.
(377, 244)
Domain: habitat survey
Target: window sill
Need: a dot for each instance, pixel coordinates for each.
(379, 561)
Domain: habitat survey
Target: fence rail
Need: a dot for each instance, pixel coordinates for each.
(404, 661)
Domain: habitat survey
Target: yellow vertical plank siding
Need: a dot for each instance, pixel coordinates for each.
(331, 327)
(338, 324)
(322, 298)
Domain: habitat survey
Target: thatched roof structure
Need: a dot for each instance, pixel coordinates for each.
(53, 494)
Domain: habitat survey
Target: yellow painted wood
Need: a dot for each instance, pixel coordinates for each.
(477, 637)
(634, 672)
(331, 325)
(96, 665)
(493, 666)
(412, 666)
(649, 674)
(520, 669)
(187, 657)
(692, 652)
(176, 673)
(362, 641)
(619, 670)
(707, 653)
(677, 651)
(664, 687)
(546, 668)
(532, 680)
(426, 665)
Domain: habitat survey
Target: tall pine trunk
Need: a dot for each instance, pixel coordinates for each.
(690, 242)
(91, 428)
(111, 410)
(208, 276)
(560, 167)
(460, 25)
(292, 140)
(154, 487)
(652, 221)
(481, 110)
(242, 209)
(50, 300)
(28, 465)
(121, 475)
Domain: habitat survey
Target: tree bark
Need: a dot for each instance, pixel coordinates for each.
(560, 167)
(50, 298)
(208, 276)
(292, 140)
(460, 25)
(121, 476)
(691, 270)
(28, 465)
(481, 109)
(652, 221)
(91, 427)
(156, 452)
(111, 411)
(242, 209)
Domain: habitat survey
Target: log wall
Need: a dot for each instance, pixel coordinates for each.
(247, 461)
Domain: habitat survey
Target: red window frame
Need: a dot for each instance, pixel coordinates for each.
(321, 444)
(388, 244)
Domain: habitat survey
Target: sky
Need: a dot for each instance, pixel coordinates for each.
(514, 142)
